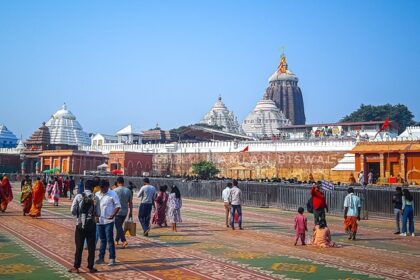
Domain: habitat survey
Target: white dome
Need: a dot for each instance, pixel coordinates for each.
(265, 120)
(65, 129)
(219, 115)
(289, 76)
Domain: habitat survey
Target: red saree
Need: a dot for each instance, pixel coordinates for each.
(6, 193)
(159, 217)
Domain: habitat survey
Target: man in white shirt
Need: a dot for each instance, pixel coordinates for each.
(107, 208)
(225, 197)
(351, 213)
(147, 195)
(235, 200)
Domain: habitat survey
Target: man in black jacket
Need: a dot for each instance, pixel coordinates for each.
(397, 200)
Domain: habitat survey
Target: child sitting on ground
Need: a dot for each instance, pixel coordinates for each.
(300, 226)
(322, 236)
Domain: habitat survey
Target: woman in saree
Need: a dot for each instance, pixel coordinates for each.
(38, 194)
(159, 217)
(26, 197)
(6, 193)
(55, 193)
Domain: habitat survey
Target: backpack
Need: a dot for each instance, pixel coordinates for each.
(86, 210)
(309, 206)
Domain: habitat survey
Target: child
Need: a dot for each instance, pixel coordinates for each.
(300, 226)
(322, 236)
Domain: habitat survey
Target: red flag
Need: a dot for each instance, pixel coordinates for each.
(384, 126)
(246, 149)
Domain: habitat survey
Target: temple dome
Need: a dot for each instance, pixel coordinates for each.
(65, 129)
(7, 138)
(219, 115)
(265, 120)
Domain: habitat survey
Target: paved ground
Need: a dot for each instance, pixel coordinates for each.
(205, 249)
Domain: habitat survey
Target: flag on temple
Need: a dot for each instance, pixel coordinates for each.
(384, 126)
(246, 149)
(327, 186)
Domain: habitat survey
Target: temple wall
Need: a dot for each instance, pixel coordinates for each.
(256, 165)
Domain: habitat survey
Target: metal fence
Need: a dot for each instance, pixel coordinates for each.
(375, 200)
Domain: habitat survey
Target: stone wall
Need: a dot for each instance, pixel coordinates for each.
(256, 165)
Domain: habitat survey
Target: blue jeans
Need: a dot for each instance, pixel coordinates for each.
(119, 222)
(145, 211)
(106, 234)
(397, 213)
(238, 209)
(408, 214)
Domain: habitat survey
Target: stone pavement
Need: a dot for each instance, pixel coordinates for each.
(204, 248)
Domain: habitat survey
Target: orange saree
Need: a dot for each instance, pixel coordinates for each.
(38, 194)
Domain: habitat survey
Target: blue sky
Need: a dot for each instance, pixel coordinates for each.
(147, 62)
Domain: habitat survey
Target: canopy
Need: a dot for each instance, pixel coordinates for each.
(51, 171)
(116, 171)
(103, 166)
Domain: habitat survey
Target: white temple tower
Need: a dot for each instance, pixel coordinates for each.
(265, 120)
(219, 115)
(65, 129)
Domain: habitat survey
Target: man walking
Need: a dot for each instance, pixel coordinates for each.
(397, 200)
(225, 197)
(235, 200)
(147, 196)
(319, 203)
(126, 201)
(351, 213)
(72, 185)
(83, 207)
(108, 207)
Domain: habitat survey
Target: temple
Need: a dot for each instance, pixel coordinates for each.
(265, 120)
(65, 129)
(7, 138)
(220, 116)
(283, 89)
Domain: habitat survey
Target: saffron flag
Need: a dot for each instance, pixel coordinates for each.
(246, 149)
(384, 126)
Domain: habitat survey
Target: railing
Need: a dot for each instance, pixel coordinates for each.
(376, 201)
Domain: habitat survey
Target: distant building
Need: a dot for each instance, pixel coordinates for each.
(220, 116)
(131, 163)
(158, 135)
(359, 130)
(7, 138)
(70, 161)
(265, 120)
(65, 129)
(100, 139)
(127, 135)
(283, 89)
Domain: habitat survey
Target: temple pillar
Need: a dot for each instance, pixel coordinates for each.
(402, 164)
(381, 166)
(362, 162)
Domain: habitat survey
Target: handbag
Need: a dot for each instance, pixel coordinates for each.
(130, 227)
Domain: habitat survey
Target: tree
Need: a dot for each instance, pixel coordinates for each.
(205, 169)
(398, 113)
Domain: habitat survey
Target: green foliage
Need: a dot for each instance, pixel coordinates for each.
(205, 169)
(398, 113)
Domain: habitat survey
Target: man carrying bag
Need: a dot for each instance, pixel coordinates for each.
(83, 207)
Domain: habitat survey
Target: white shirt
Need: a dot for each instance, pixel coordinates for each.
(108, 202)
(352, 201)
(235, 196)
(225, 194)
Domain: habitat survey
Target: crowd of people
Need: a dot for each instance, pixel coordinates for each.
(99, 208)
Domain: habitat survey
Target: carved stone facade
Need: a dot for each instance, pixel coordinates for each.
(283, 89)
(265, 120)
(219, 115)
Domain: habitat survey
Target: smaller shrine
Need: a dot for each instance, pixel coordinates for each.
(265, 120)
(7, 138)
(220, 117)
